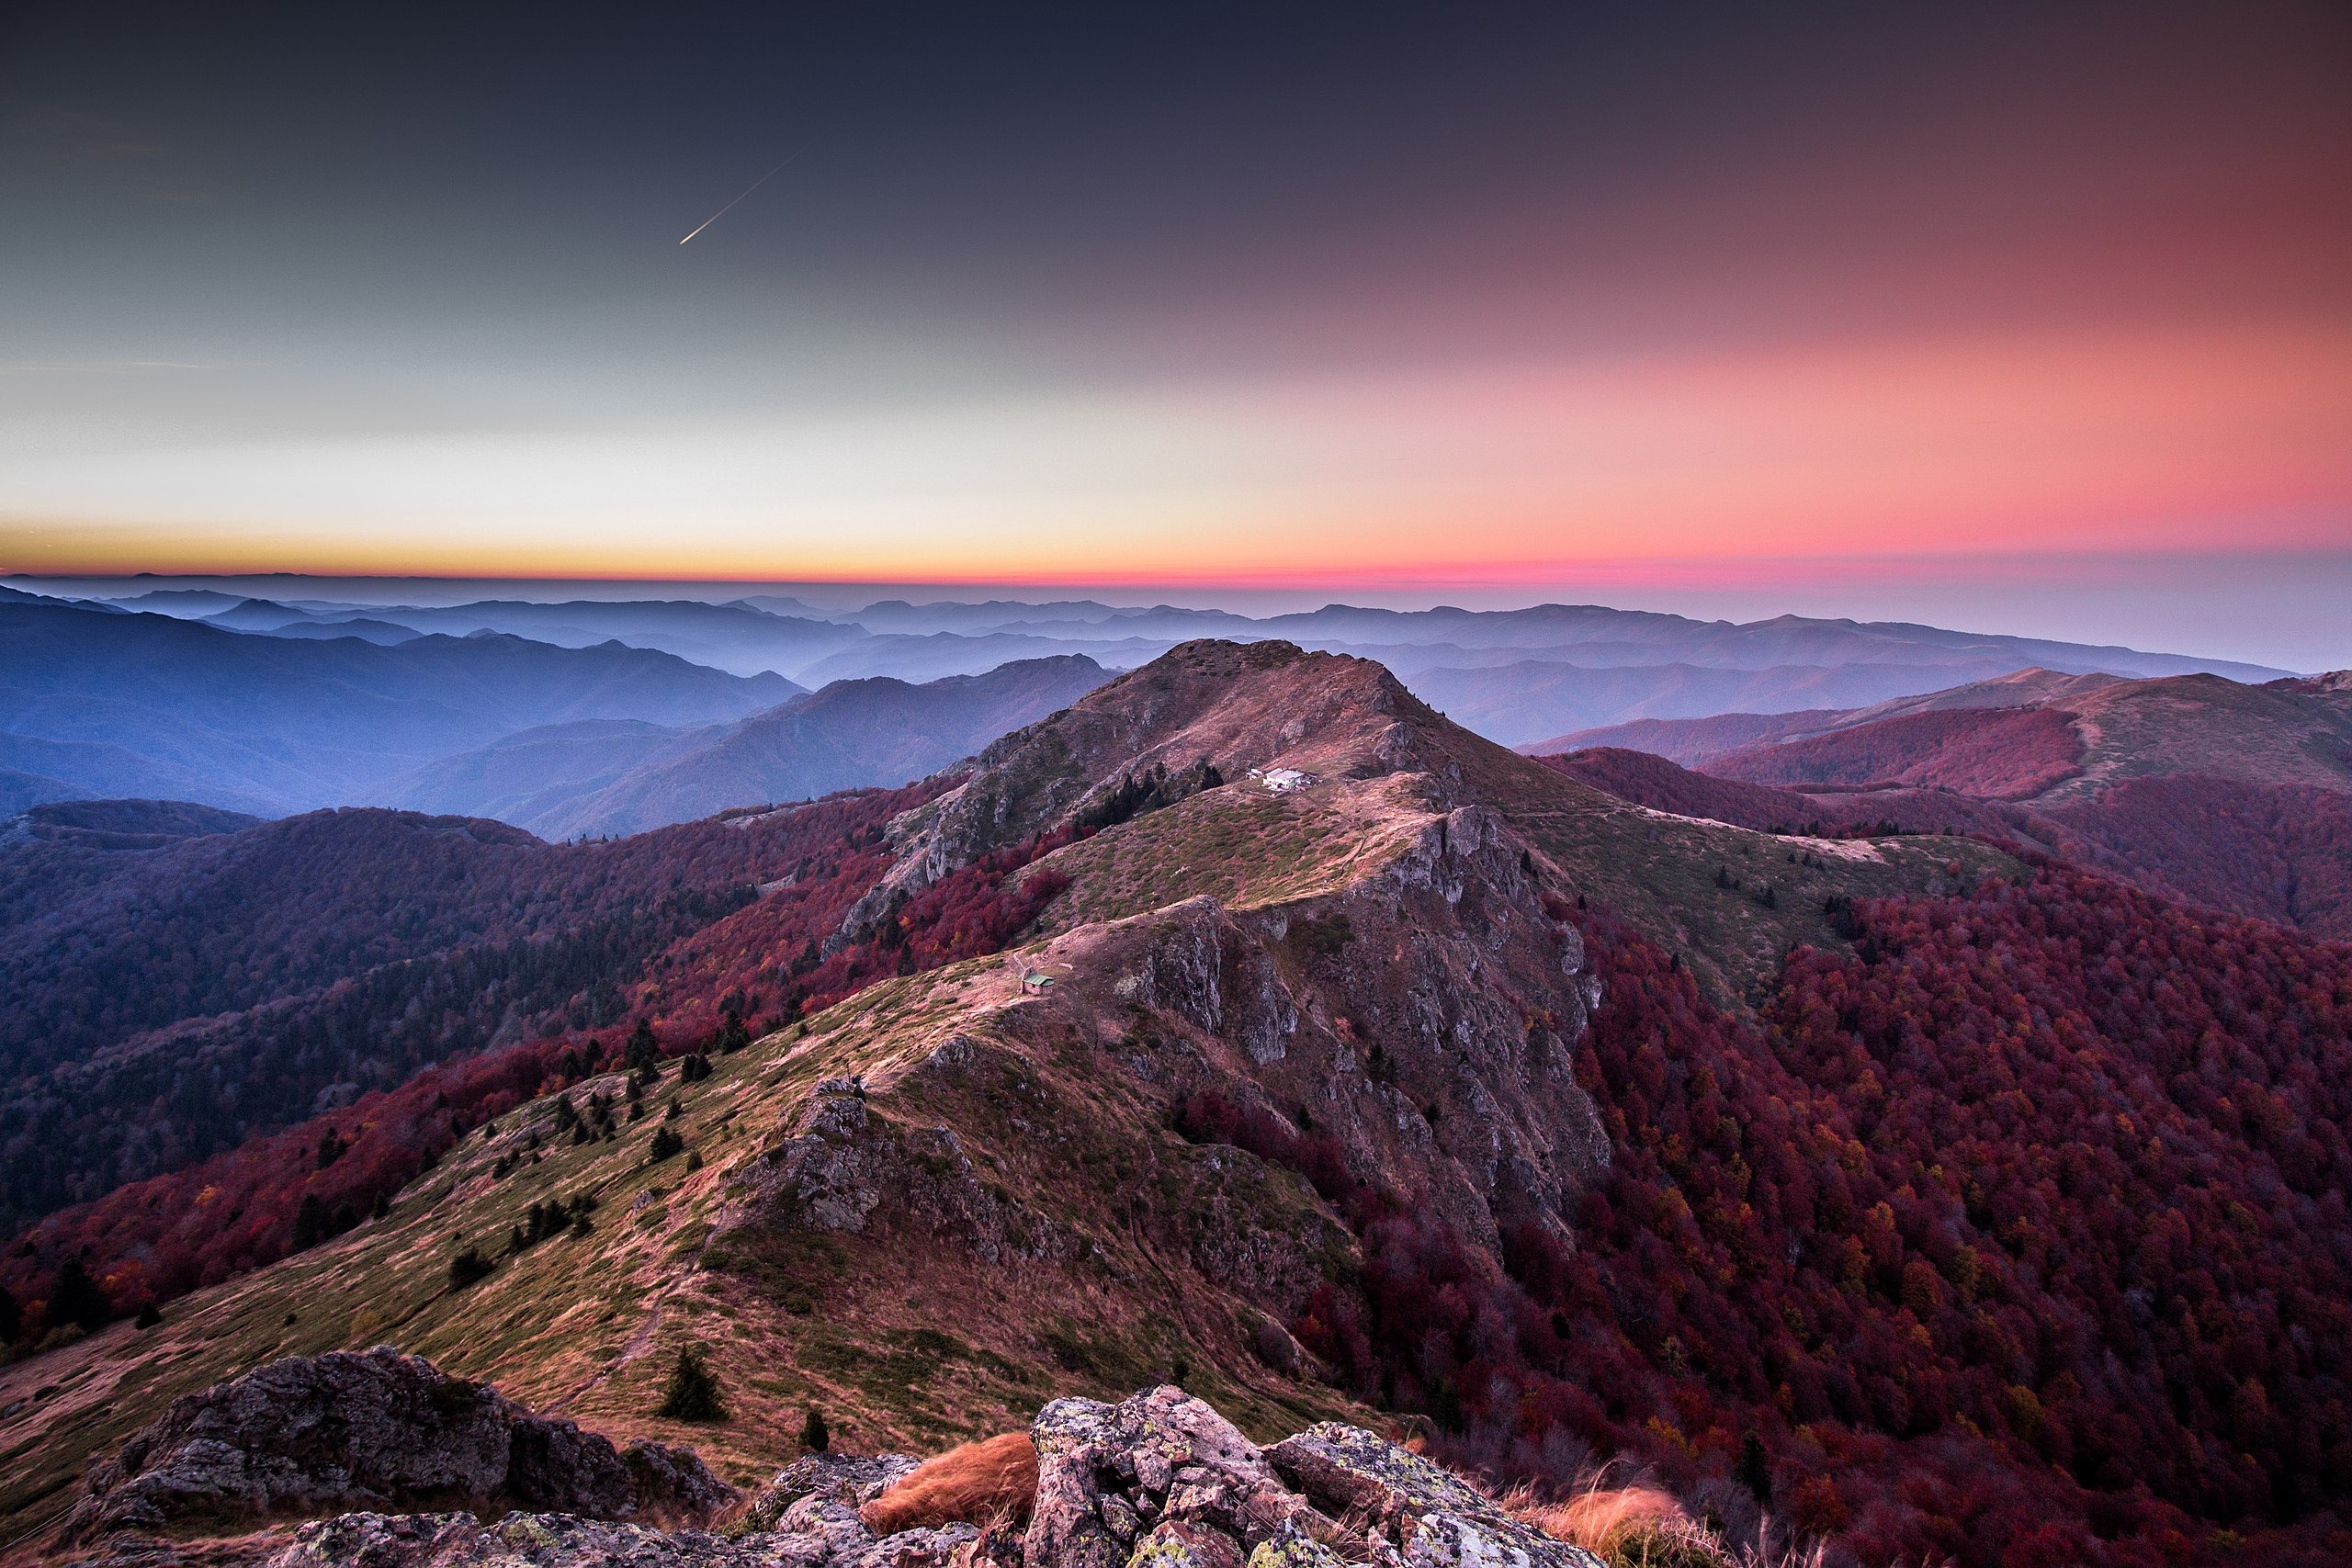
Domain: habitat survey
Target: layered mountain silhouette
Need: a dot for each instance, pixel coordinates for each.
(603, 778)
(147, 705)
(1514, 675)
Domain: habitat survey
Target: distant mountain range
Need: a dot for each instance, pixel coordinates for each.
(600, 717)
(1513, 675)
(609, 777)
(146, 704)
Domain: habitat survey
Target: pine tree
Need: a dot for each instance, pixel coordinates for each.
(1753, 1469)
(12, 1318)
(644, 1053)
(78, 1299)
(814, 1435)
(693, 1392)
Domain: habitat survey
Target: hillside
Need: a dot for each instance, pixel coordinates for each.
(2234, 797)
(1997, 753)
(169, 997)
(521, 778)
(145, 704)
(852, 733)
(1652, 781)
(1441, 1083)
(1695, 742)
(2071, 744)
(1518, 703)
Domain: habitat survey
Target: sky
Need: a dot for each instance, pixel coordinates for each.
(2032, 318)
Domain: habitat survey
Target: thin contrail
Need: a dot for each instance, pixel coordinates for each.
(747, 190)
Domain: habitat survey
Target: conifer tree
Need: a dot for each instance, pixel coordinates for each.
(644, 1053)
(78, 1299)
(693, 1392)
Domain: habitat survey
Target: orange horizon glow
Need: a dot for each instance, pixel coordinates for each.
(2226, 438)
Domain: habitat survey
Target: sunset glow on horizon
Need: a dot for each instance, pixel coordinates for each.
(1518, 302)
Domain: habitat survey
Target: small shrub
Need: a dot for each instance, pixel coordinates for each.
(814, 1435)
(664, 1145)
(469, 1267)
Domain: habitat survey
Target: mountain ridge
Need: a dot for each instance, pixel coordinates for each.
(1419, 1076)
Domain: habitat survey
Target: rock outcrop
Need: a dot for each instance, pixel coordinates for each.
(373, 1430)
(849, 1169)
(1157, 1481)
(1162, 1481)
(1431, 1516)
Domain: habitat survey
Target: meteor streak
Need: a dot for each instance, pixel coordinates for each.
(747, 190)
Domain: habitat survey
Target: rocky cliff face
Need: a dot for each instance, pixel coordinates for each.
(1418, 1021)
(1157, 1481)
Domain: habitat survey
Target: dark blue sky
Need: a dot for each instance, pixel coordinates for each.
(1172, 292)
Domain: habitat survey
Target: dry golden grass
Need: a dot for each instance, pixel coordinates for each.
(994, 1479)
(1626, 1527)
(1598, 1518)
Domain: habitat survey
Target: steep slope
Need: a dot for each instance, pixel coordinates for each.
(1331, 1095)
(1735, 901)
(95, 769)
(877, 731)
(2279, 853)
(246, 721)
(2003, 738)
(19, 789)
(167, 997)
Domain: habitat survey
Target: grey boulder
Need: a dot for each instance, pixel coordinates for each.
(370, 1430)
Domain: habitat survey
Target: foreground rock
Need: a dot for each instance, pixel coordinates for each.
(350, 1430)
(1430, 1515)
(1162, 1481)
(562, 1540)
(1157, 1481)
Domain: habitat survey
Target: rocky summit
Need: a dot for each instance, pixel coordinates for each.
(382, 1461)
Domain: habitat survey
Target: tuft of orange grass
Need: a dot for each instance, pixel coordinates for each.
(994, 1479)
(1598, 1517)
(1628, 1526)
